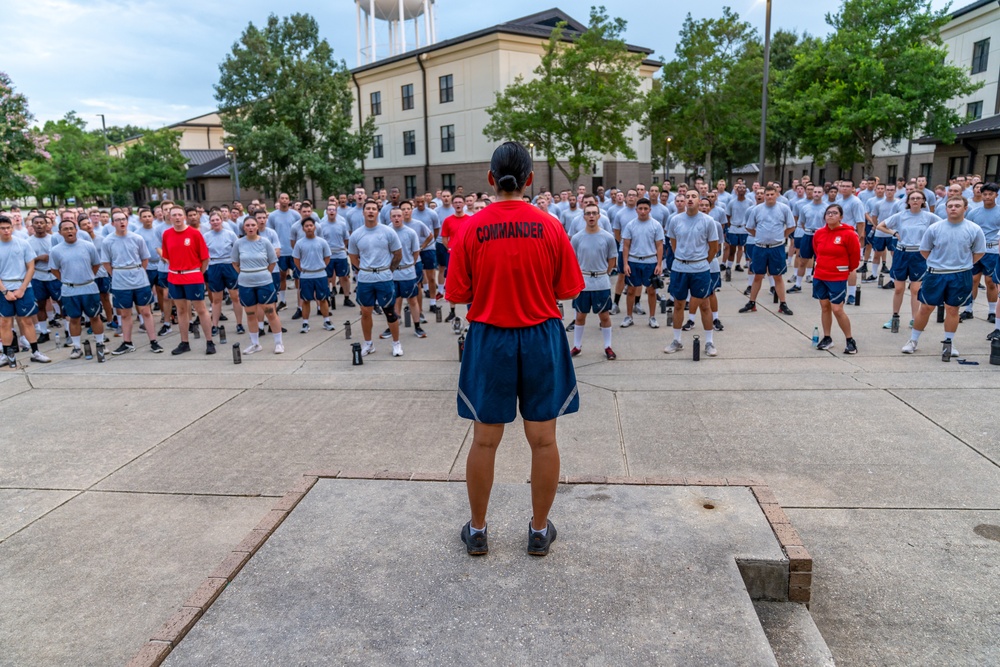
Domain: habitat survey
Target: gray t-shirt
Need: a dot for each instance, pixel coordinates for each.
(987, 218)
(220, 246)
(253, 258)
(75, 263)
(336, 235)
(312, 254)
(410, 245)
(811, 216)
(161, 227)
(14, 257)
(429, 218)
(642, 235)
(41, 247)
(154, 241)
(854, 211)
(593, 252)
(770, 223)
(356, 218)
(443, 213)
(952, 245)
(281, 222)
(374, 247)
(578, 224)
(736, 210)
(272, 236)
(125, 255)
(911, 227)
(693, 233)
(420, 229)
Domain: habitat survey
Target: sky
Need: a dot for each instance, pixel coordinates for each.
(153, 63)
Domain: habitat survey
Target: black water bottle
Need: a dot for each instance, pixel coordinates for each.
(995, 352)
(775, 295)
(347, 330)
(946, 351)
(437, 314)
(940, 314)
(237, 354)
(729, 274)
(895, 323)
(881, 280)
(87, 352)
(222, 335)
(663, 306)
(857, 296)
(407, 319)
(461, 347)
(696, 350)
(195, 329)
(356, 358)
(332, 301)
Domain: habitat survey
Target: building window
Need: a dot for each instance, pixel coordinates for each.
(410, 186)
(377, 103)
(447, 138)
(980, 55)
(447, 86)
(410, 142)
(890, 176)
(187, 191)
(926, 169)
(822, 176)
(974, 110)
(378, 183)
(201, 186)
(448, 182)
(378, 149)
(957, 166)
(407, 97)
(992, 169)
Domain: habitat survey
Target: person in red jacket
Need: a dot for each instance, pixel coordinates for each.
(512, 263)
(838, 253)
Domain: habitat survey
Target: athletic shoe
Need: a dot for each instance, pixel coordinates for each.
(54, 322)
(870, 279)
(450, 317)
(434, 308)
(142, 327)
(427, 294)
(717, 325)
(852, 347)
(328, 326)
(638, 310)
(570, 327)
(348, 303)
(439, 297)
(67, 342)
(772, 291)
(367, 348)
(675, 346)
(670, 303)
(627, 322)
(215, 331)
(386, 334)
(747, 291)
(476, 544)
(910, 347)
(885, 269)
(40, 358)
(992, 318)
(610, 354)
(305, 328)
(164, 330)
(419, 333)
(863, 268)
(793, 290)
(710, 349)
(222, 316)
(809, 279)
(751, 307)
(738, 268)
(575, 352)
(209, 347)
(42, 338)
(11, 361)
(422, 320)
(154, 346)
(253, 349)
(124, 348)
(653, 324)
(850, 301)
(993, 335)
(825, 344)
(784, 309)
(688, 325)
(282, 305)
(966, 315)
(954, 350)
(377, 309)
(889, 285)
(538, 544)
(279, 348)
(240, 329)
(25, 345)
(397, 349)
(615, 309)
(75, 354)
(181, 348)
(298, 314)
(270, 330)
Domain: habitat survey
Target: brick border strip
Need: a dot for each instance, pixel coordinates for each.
(164, 640)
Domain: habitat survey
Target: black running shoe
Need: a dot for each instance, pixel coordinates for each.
(717, 325)
(538, 544)
(784, 309)
(738, 268)
(348, 303)
(688, 325)
(181, 348)
(476, 544)
(966, 315)
(215, 331)
(993, 335)
(42, 338)
(793, 289)
(240, 329)
(852, 347)
(992, 318)
(164, 330)
(378, 309)
(155, 346)
(451, 316)
(746, 292)
(825, 344)
(124, 348)
(751, 307)
(281, 306)
(222, 316)
(571, 326)
(209, 347)
(386, 334)
(298, 314)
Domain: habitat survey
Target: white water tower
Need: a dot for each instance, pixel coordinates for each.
(394, 15)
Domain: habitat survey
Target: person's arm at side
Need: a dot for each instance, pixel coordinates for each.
(458, 284)
(626, 246)
(853, 252)
(569, 278)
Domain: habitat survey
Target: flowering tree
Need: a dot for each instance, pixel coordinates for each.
(17, 142)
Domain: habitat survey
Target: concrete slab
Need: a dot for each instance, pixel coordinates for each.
(403, 590)
(951, 409)
(70, 440)
(907, 587)
(90, 583)
(794, 638)
(20, 507)
(12, 384)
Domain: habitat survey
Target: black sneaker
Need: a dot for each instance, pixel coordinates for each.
(451, 316)
(889, 285)
(993, 335)
(42, 338)
(298, 314)
(966, 315)
(155, 346)
(433, 308)
(794, 289)
(476, 544)
(992, 318)
(852, 347)
(240, 329)
(746, 292)
(825, 344)
(348, 303)
(571, 326)
(222, 316)
(386, 334)
(751, 307)
(717, 325)
(738, 268)
(538, 544)
(164, 330)
(215, 331)
(124, 348)
(377, 309)
(669, 303)
(209, 347)
(784, 309)
(281, 306)
(181, 348)
(688, 325)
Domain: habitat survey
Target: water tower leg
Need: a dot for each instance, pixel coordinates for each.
(401, 27)
(427, 24)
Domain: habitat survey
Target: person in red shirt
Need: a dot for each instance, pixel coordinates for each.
(512, 263)
(450, 228)
(838, 252)
(186, 253)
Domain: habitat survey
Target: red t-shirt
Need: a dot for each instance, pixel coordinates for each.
(512, 262)
(452, 226)
(184, 251)
(837, 251)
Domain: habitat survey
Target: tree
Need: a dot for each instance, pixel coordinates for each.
(18, 143)
(286, 106)
(79, 166)
(581, 103)
(881, 74)
(155, 162)
(709, 100)
(782, 134)
(119, 133)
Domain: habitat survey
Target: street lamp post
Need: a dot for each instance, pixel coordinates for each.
(104, 129)
(231, 154)
(531, 147)
(666, 159)
(763, 103)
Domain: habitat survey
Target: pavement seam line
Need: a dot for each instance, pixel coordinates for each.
(461, 446)
(621, 432)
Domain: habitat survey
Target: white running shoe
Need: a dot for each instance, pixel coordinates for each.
(38, 357)
(304, 329)
(397, 349)
(328, 326)
(910, 347)
(279, 348)
(954, 352)
(367, 348)
(614, 309)
(710, 349)
(627, 322)
(653, 324)
(638, 310)
(253, 349)
(3, 358)
(675, 346)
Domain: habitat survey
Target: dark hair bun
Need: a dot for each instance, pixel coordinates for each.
(510, 166)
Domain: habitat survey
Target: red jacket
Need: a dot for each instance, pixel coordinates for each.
(837, 251)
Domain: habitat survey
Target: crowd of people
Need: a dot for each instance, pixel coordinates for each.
(169, 268)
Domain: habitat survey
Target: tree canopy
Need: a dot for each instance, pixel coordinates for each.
(155, 161)
(78, 166)
(18, 143)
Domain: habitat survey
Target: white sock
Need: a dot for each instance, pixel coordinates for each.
(876, 267)
(305, 322)
(809, 272)
(798, 281)
(99, 337)
(750, 280)
(948, 335)
(606, 332)
(690, 317)
(715, 315)
(254, 339)
(852, 290)
(992, 305)
(434, 302)
(968, 308)
(677, 335)
(708, 335)
(75, 340)
(770, 279)
(578, 335)
(326, 320)
(729, 265)
(915, 335)
(542, 532)
(43, 327)
(277, 338)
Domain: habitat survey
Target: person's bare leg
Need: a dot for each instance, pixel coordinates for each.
(544, 469)
(479, 469)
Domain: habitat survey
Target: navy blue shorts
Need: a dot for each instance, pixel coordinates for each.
(23, 307)
(103, 285)
(715, 282)
(382, 293)
(221, 277)
(338, 266)
(418, 266)
(696, 285)
(749, 253)
(153, 276)
(505, 369)
(259, 295)
(991, 267)
(806, 247)
(769, 261)
(595, 301)
(161, 279)
(880, 243)
(738, 240)
(668, 256)
(797, 241)
(429, 259)
(124, 299)
(276, 280)
(406, 289)
(641, 274)
(834, 291)
(286, 263)
(442, 254)
(46, 289)
(195, 292)
(950, 289)
(314, 289)
(908, 266)
(75, 307)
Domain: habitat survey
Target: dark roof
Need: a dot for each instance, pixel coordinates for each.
(962, 11)
(197, 157)
(538, 25)
(206, 163)
(984, 128)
